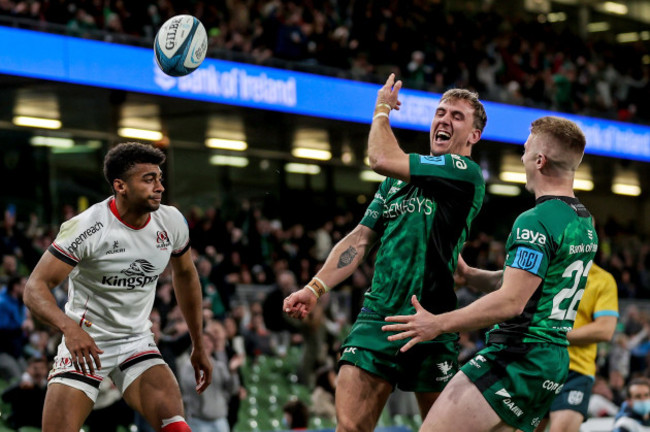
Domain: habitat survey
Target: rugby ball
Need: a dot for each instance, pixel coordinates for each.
(180, 45)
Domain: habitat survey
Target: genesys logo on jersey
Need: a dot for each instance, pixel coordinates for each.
(139, 273)
(162, 240)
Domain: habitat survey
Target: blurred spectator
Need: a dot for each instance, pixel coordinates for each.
(634, 415)
(27, 397)
(322, 397)
(14, 318)
(208, 411)
(295, 415)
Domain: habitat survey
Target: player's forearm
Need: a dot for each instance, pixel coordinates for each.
(483, 280)
(345, 258)
(601, 330)
(188, 294)
(42, 304)
(488, 310)
(384, 150)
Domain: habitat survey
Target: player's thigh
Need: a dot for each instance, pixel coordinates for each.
(462, 408)
(360, 399)
(565, 421)
(156, 395)
(66, 408)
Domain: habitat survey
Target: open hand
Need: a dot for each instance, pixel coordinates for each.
(84, 352)
(420, 327)
(202, 369)
(389, 92)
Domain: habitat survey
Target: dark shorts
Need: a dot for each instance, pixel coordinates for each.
(427, 367)
(575, 394)
(521, 381)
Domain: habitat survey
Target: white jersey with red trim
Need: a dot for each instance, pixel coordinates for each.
(112, 287)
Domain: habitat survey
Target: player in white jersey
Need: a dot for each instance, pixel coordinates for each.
(113, 254)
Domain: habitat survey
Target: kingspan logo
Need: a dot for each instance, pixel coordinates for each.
(140, 273)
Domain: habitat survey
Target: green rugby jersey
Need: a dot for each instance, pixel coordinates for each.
(422, 225)
(556, 241)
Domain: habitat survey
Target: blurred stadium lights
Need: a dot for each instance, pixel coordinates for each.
(37, 122)
(309, 143)
(614, 8)
(234, 161)
(45, 141)
(626, 182)
(600, 26)
(504, 189)
(226, 144)
(299, 168)
(144, 134)
(627, 37)
(371, 176)
(583, 180)
(310, 153)
(554, 17)
(512, 170)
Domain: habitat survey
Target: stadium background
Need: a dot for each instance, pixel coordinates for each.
(249, 222)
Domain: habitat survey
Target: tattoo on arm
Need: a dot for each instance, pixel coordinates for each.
(347, 257)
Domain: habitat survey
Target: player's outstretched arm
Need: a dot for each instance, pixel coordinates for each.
(493, 308)
(49, 273)
(188, 294)
(342, 261)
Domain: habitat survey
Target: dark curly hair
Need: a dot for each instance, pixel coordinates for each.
(121, 158)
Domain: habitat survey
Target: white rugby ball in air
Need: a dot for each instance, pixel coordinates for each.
(180, 45)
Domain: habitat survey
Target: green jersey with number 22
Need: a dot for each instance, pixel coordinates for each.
(556, 241)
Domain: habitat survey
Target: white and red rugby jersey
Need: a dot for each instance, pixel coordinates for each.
(113, 285)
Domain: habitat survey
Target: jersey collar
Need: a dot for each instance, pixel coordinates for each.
(113, 206)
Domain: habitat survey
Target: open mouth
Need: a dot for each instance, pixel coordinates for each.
(443, 136)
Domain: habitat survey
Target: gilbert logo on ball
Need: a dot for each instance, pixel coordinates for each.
(180, 45)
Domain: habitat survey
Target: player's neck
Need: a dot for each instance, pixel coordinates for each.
(128, 215)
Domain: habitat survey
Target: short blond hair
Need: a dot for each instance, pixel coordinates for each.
(567, 142)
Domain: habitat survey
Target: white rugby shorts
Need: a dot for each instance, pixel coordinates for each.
(123, 361)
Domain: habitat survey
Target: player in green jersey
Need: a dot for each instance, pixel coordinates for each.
(421, 216)
(511, 383)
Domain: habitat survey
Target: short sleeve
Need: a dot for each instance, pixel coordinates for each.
(180, 233)
(607, 298)
(373, 215)
(73, 243)
(529, 246)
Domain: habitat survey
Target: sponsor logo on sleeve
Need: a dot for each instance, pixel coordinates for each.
(527, 259)
(530, 236)
(74, 245)
(432, 160)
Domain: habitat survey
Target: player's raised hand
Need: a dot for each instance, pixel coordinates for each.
(389, 92)
(202, 369)
(420, 327)
(300, 303)
(83, 350)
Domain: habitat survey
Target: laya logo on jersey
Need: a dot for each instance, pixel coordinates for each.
(162, 240)
(140, 273)
(530, 236)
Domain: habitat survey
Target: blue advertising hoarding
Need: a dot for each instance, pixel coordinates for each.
(102, 64)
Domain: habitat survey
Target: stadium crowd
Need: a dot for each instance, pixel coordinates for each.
(511, 58)
(247, 265)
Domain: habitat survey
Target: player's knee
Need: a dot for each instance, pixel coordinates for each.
(346, 423)
(175, 424)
